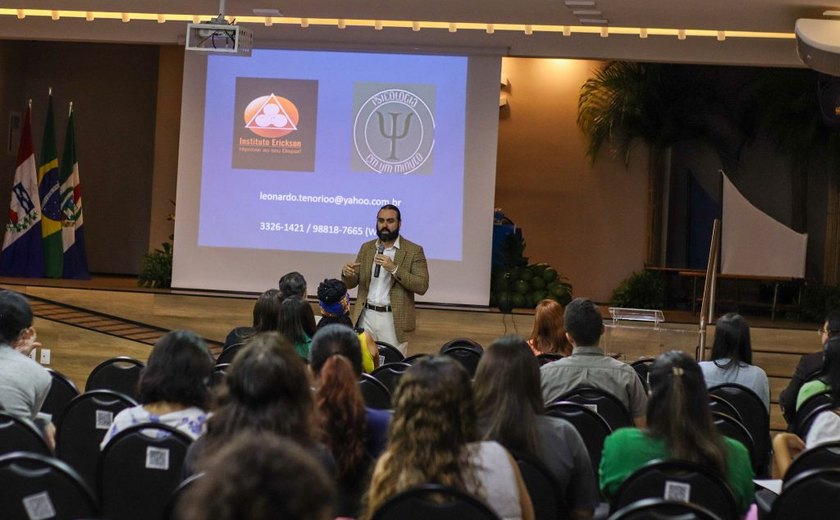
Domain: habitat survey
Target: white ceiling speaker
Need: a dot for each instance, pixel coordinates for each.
(818, 44)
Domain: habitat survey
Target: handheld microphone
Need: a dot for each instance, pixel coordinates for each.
(379, 251)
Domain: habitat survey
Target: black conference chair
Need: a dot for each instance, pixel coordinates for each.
(390, 374)
(139, 470)
(548, 357)
(601, 402)
(33, 485)
(642, 367)
(468, 357)
(82, 425)
(62, 391)
(375, 394)
(433, 501)
(389, 353)
(809, 495)
(413, 358)
(218, 375)
(543, 488)
(461, 342)
(808, 411)
(660, 509)
(591, 427)
(119, 374)
(227, 355)
(19, 435)
(680, 481)
(732, 428)
(824, 456)
(754, 417)
(719, 404)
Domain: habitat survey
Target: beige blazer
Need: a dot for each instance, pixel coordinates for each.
(412, 278)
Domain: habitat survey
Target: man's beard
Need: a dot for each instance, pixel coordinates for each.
(387, 236)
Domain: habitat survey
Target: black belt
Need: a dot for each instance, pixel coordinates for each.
(378, 308)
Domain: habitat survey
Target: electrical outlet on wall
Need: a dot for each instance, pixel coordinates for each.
(45, 356)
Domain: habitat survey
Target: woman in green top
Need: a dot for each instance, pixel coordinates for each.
(830, 373)
(679, 426)
(293, 321)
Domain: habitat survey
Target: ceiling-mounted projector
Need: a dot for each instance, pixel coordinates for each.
(818, 44)
(219, 37)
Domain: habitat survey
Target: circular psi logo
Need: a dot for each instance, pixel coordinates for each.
(271, 116)
(394, 131)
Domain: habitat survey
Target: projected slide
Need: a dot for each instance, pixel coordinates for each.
(300, 148)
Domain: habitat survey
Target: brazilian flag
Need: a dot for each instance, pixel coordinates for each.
(50, 192)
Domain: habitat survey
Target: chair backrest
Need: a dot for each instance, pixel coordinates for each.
(732, 428)
(389, 353)
(218, 375)
(169, 512)
(375, 394)
(433, 501)
(592, 427)
(819, 457)
(19, 435)
(601, 402)
(468, 357)
(642, 367)
(754, 417)
(548, 357)
(390, 374)
(461, 342)
(808, 411)
(811, 494)
(720, 404)
(62, 391)
(139, 469)
(33, 486)
(411, 359)
(119, 374)
(229, 352)
(660, 509)
(83, 424)
(680, 481)
(546, 496)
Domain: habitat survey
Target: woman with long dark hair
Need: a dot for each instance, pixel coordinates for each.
(826, 427)
(510, 411)
(548, 335)
(433, 439)
(731, 360)
(264, 317)
(679, 426)
(173, 386)
(354, 434)
(297, 323)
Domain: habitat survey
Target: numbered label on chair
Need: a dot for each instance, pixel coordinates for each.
(677, 491)
(39, 506)
(381, 360)
(593, 407)
(104, 418)
(157, 458)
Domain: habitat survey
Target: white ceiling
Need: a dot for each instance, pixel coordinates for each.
(775, 16)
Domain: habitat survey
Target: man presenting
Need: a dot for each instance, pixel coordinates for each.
(388, 272)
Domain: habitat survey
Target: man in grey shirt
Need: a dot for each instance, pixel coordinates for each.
(588, 366)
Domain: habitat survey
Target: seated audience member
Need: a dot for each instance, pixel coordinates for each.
(433, 439)
(335, 308)
(548, 335)
(260, 476)
(354, 434)
(808, 365)
(297, 323)
(173, 386)
(292, 284)
(731, 360)
(265, 315)
(679, 426)
(510, 411)
(24, 384)
(266, 389)
(588, 366)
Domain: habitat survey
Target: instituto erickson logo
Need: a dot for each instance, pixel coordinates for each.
(271, 116)
(394, 131)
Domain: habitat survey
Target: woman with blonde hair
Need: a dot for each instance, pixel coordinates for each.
(549, 334)
(432, 439)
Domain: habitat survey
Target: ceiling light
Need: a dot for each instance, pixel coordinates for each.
(593, 21)
(529, 30)
(605, 31)
(681, 34)
(415, 26)
(567, 31)
(586, 12)
(304, 22)
(453, 27)
(89, 16)
(490, 28)
(54, 15)
(161, 18)
(267, 12)
(268, 21)
(377, 25)
(721, 35)
(643, 33)
(126, 18)
(342, 23)
(579, 3)
(21, 14)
